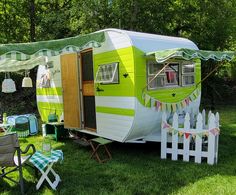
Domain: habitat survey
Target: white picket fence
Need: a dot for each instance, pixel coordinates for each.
(197, 139)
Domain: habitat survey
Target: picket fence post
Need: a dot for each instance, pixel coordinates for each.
(198, 144)
(211, 139)
(175, 125)
(186, 137)
(163, 137)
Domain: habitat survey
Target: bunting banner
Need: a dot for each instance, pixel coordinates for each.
(170, 107)
(200, 134)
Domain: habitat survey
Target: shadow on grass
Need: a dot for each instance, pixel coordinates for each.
(9, 187)
(138, 169)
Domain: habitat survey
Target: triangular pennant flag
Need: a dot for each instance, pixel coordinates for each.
(192, 97)
(206, 134)
(186, 135)
(187, 101)
(157, 104)
(214, 131)
(179, 106)
(199, 135)
(147, 99)
(195, 94)
(170, 130)
(193, 135)
(165, 125)
(173, 107)
(152, 102)
(175, 131)
(143, 96)
(163, 107)
(181, 133)
(168, 107)
(183, 104)
(160, 107)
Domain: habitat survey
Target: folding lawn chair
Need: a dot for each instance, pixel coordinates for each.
(9, 163)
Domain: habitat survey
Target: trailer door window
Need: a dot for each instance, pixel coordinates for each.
(107, 73)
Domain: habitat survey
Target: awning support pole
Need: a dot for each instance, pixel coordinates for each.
(208, 75)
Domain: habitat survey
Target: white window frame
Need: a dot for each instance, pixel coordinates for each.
(160, 76)
(166, 84)
(181, 74)
(115, 74)
(188, 73)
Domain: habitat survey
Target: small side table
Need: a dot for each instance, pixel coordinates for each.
(44, 165)
(96, 144)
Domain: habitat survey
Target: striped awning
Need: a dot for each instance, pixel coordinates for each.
(9, 65)
(25, 51)
(189, 54)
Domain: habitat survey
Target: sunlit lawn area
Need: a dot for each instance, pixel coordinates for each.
(138, 169)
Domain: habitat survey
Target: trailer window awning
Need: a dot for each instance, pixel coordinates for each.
(189, 54)
(25, 51)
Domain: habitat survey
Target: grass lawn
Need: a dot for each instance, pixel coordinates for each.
(138, 169)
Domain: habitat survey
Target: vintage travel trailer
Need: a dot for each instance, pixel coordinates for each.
(116, 83)
(102, 90)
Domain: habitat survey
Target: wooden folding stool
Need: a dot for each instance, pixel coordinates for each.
(97, 144)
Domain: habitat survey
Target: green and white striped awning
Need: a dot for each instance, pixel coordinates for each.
(25, 51)
(189, 54)
(9, 65)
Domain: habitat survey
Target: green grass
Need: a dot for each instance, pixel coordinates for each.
(138, 169)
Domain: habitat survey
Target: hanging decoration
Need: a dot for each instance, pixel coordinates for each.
(27, 81)
(170, 107)
(173, 131)
(8, 85)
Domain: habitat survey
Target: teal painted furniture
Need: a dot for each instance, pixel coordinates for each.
(24, 125)
(56, 130)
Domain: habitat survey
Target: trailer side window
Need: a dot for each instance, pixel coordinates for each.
(175, 74)
(168, 77)
(172, 74)
(187, 73)
(107, 73)
(153, 69)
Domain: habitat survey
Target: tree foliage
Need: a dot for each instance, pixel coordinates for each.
(210, 24)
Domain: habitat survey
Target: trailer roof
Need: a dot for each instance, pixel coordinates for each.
(152, 42)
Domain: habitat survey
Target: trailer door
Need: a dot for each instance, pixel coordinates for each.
(70, 86)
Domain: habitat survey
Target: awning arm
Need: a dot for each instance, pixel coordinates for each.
(210, 73)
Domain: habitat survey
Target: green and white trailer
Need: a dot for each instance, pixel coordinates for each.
(116, 83)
